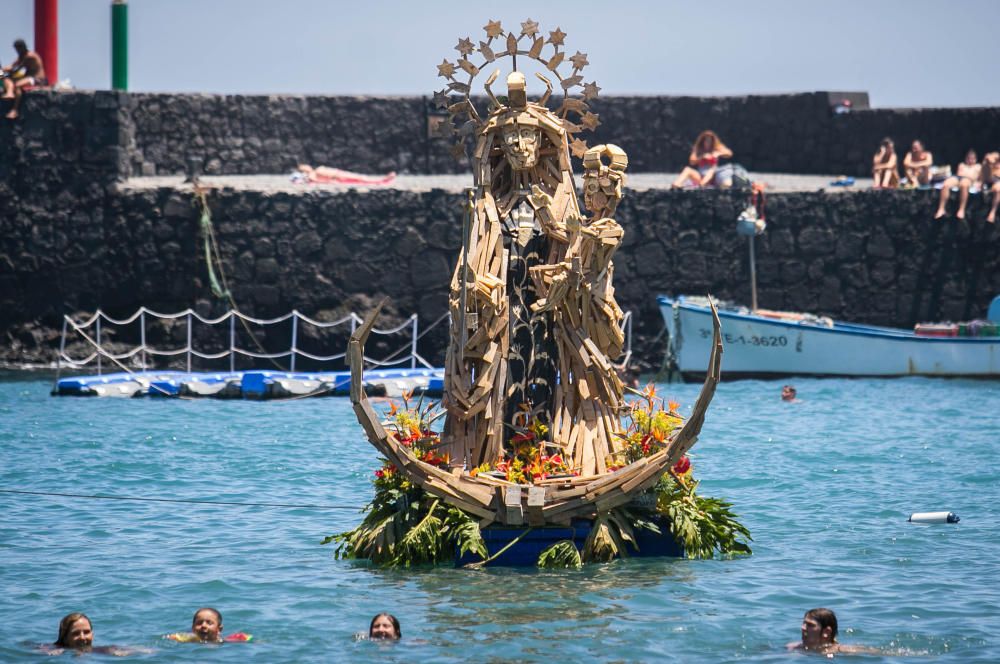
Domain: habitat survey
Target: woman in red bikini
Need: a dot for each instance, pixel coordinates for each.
(703, 162)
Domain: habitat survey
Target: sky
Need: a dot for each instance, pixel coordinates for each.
(904, 53)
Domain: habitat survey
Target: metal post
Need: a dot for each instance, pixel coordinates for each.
(119, 45)
(753, 278)
(295, 338)
(142, 337)
(47, 37)
(413, 344)
(232, 341)
(100, 351)
(62, 351)
(189, 344)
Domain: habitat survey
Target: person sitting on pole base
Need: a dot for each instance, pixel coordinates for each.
(27, 71)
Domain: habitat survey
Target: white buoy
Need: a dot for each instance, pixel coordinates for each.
(933, 517)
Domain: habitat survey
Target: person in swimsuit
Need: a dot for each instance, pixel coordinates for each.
(917, 164)
(26, 71)
(968, 178)
(991, 182)
(703, 161)
(884, 166)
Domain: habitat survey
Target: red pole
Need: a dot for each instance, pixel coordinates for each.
(47, 36)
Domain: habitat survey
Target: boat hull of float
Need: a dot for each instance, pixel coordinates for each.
(525, 552)
(761, 347)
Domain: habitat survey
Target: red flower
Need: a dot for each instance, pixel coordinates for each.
(682, 466)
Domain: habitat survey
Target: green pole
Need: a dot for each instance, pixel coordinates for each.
(119, 45)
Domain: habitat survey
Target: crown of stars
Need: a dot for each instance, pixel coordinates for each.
(465, 46)
(576, 93)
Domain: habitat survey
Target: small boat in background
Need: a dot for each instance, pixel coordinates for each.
(765, 344)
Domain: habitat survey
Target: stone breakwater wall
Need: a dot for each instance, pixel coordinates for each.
(791, 133)
(874, 257)
(73, 238)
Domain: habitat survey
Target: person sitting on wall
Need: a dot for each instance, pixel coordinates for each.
(968, 178)
(917, 164)
(885, 171)
(703, 162)
(991, 182)
(27, 71)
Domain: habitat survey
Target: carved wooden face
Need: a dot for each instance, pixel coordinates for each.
(593, 198)
(520, 145)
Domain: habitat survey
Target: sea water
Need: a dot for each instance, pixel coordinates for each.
(825, 485)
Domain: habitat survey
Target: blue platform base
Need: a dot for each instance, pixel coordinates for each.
(525, 553)
(256, 384)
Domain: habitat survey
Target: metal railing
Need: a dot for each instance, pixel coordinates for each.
(144, 350)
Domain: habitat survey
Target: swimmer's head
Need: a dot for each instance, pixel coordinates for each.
(75, 631)
(819, 628)
(384, 626)
(788, 393)
(207, 624)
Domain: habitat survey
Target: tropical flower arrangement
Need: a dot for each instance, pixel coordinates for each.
(527, 456)
(405, 525)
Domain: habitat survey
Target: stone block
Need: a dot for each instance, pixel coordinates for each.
(880, 245)
(307, 244)
(267, 270)
(816, 241)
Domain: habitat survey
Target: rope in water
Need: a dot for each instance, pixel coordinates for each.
(177, 500)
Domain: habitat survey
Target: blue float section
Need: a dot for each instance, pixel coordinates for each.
(525, 553)
(255, 384)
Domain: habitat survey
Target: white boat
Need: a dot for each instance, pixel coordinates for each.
(770, 344)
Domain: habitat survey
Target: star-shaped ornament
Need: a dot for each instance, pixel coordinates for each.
(578, 147)
(590, 90)
(446, 69)
(529, 28)
(493, 29)
(590, 121)
(440, 99)
(579, 60)
(556, 37)
(465, 46)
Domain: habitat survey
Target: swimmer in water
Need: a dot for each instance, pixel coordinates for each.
(384, 626)
(788, 393)
(819, 635)
(206, 627)
(76, 632)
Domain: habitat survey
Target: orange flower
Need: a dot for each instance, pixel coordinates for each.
(672, 406)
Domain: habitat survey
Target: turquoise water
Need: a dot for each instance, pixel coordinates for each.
(825, 485)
